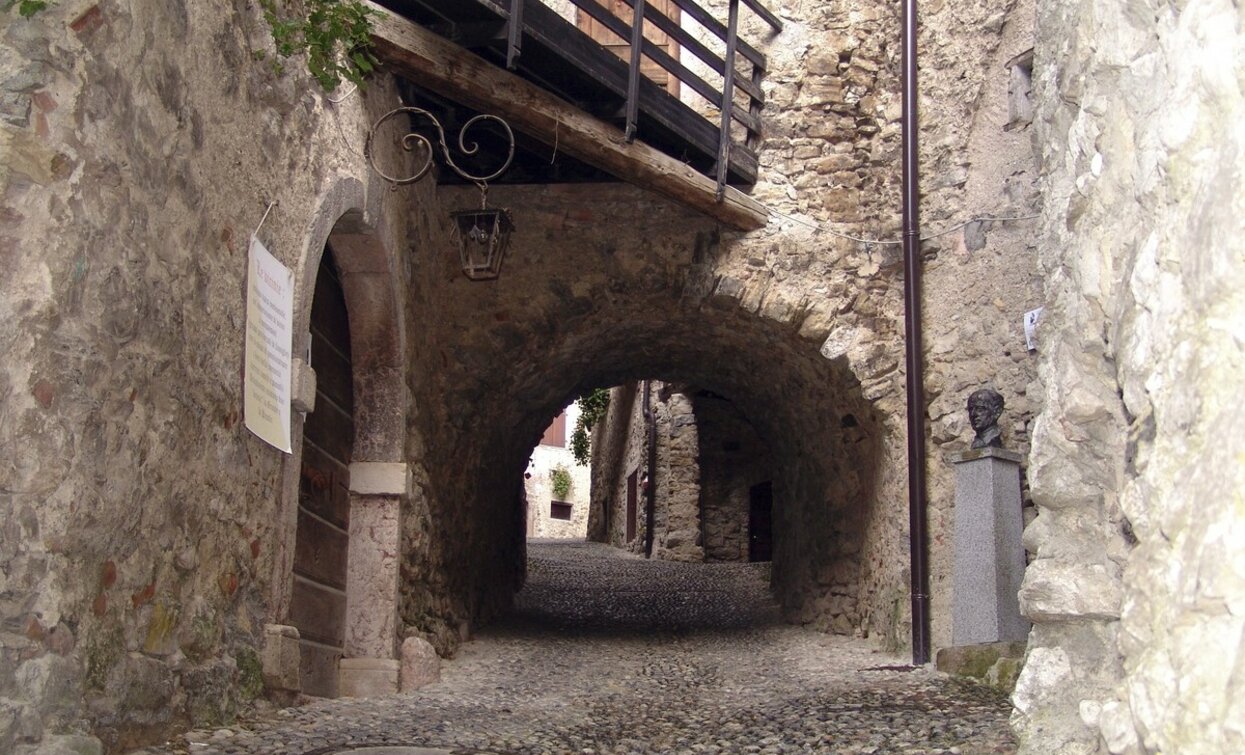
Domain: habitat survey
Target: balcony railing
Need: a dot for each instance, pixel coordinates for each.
(695, 121)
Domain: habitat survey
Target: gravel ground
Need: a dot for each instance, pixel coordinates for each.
(608, 653)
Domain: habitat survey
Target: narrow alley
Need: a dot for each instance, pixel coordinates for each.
(606, 652)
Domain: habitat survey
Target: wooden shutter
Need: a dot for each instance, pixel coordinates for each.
(555, 434)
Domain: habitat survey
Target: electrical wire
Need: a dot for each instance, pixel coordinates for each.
(353, 88)
(895, 242)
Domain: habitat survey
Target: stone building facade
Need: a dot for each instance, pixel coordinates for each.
(632, 488)
(736, 483)
(550, 515)
(710, 472)
(149, 541)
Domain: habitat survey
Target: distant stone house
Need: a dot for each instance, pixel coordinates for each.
(550, 514)
(711, 476)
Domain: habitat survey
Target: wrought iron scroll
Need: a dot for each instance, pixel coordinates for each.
(412, 141)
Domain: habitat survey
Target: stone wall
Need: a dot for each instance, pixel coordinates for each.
(618, 443)
(147, 534)
(539, 487)
(708, 459)
(143, 143)
(733, 459)
(978, 157)
(676, 520)
(620, 449)
(831, 158)
(1138, 576)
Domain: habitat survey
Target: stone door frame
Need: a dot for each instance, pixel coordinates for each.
(379, 474)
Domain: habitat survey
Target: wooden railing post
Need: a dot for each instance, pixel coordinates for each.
(633, 83)
(754, 137)
(728, 99)
(514, 34)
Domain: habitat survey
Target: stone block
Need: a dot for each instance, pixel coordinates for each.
(368, 677)
(303, 386)
(378, 478)
(10, 715)
(1054, 590)
(420, 664)
(211, 692)
(142, 685)
(1046, 676)
(996, 663)
(1004, 673)
(50, 683)
(280, 658)
(68, 744)
(989, 562)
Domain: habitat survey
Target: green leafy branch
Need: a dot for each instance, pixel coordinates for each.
(26, 8)
(335, 35)
(561, 479)
(592, 408)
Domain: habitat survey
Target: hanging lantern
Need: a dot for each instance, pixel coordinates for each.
(482, 237)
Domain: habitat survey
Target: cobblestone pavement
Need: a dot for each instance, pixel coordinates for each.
(607, 653)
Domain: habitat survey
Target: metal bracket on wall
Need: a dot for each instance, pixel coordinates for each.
(413, 141)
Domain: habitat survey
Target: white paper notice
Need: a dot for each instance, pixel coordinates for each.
(1031, 321)
(269, 338)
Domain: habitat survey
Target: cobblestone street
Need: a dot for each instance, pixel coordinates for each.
(608, 653)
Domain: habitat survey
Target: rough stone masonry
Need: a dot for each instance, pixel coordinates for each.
(1138, 457)
(148, 538)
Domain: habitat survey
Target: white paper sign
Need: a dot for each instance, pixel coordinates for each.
(269, 338)
(1031, 321)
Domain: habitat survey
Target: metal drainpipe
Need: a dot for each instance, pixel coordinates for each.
(650, 492)
(917, 539)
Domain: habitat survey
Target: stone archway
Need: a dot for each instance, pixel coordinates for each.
(378, 478)
(583, 304)
(831, 531)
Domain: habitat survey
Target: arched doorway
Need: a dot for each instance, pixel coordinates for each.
(337, 575)
(322, 535)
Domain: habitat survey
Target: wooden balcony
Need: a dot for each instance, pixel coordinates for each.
(618, 94)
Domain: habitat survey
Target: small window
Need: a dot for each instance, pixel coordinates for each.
(560, 510)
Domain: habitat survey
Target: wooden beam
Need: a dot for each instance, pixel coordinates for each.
(447, 69)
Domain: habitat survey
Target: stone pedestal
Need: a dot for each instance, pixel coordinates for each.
(989, 555)
(368, 677)
(280, 658)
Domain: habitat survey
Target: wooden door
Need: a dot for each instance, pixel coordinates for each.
(318, 604)
(761, 522)
(632, 503)
(622, 47)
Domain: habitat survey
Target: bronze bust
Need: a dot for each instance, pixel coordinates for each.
(985, 406)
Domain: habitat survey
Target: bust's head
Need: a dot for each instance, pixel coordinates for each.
(985, 406)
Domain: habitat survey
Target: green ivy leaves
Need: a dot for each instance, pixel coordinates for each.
(561, 479)
(592, 408)
(26, 8)
(335, 35)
